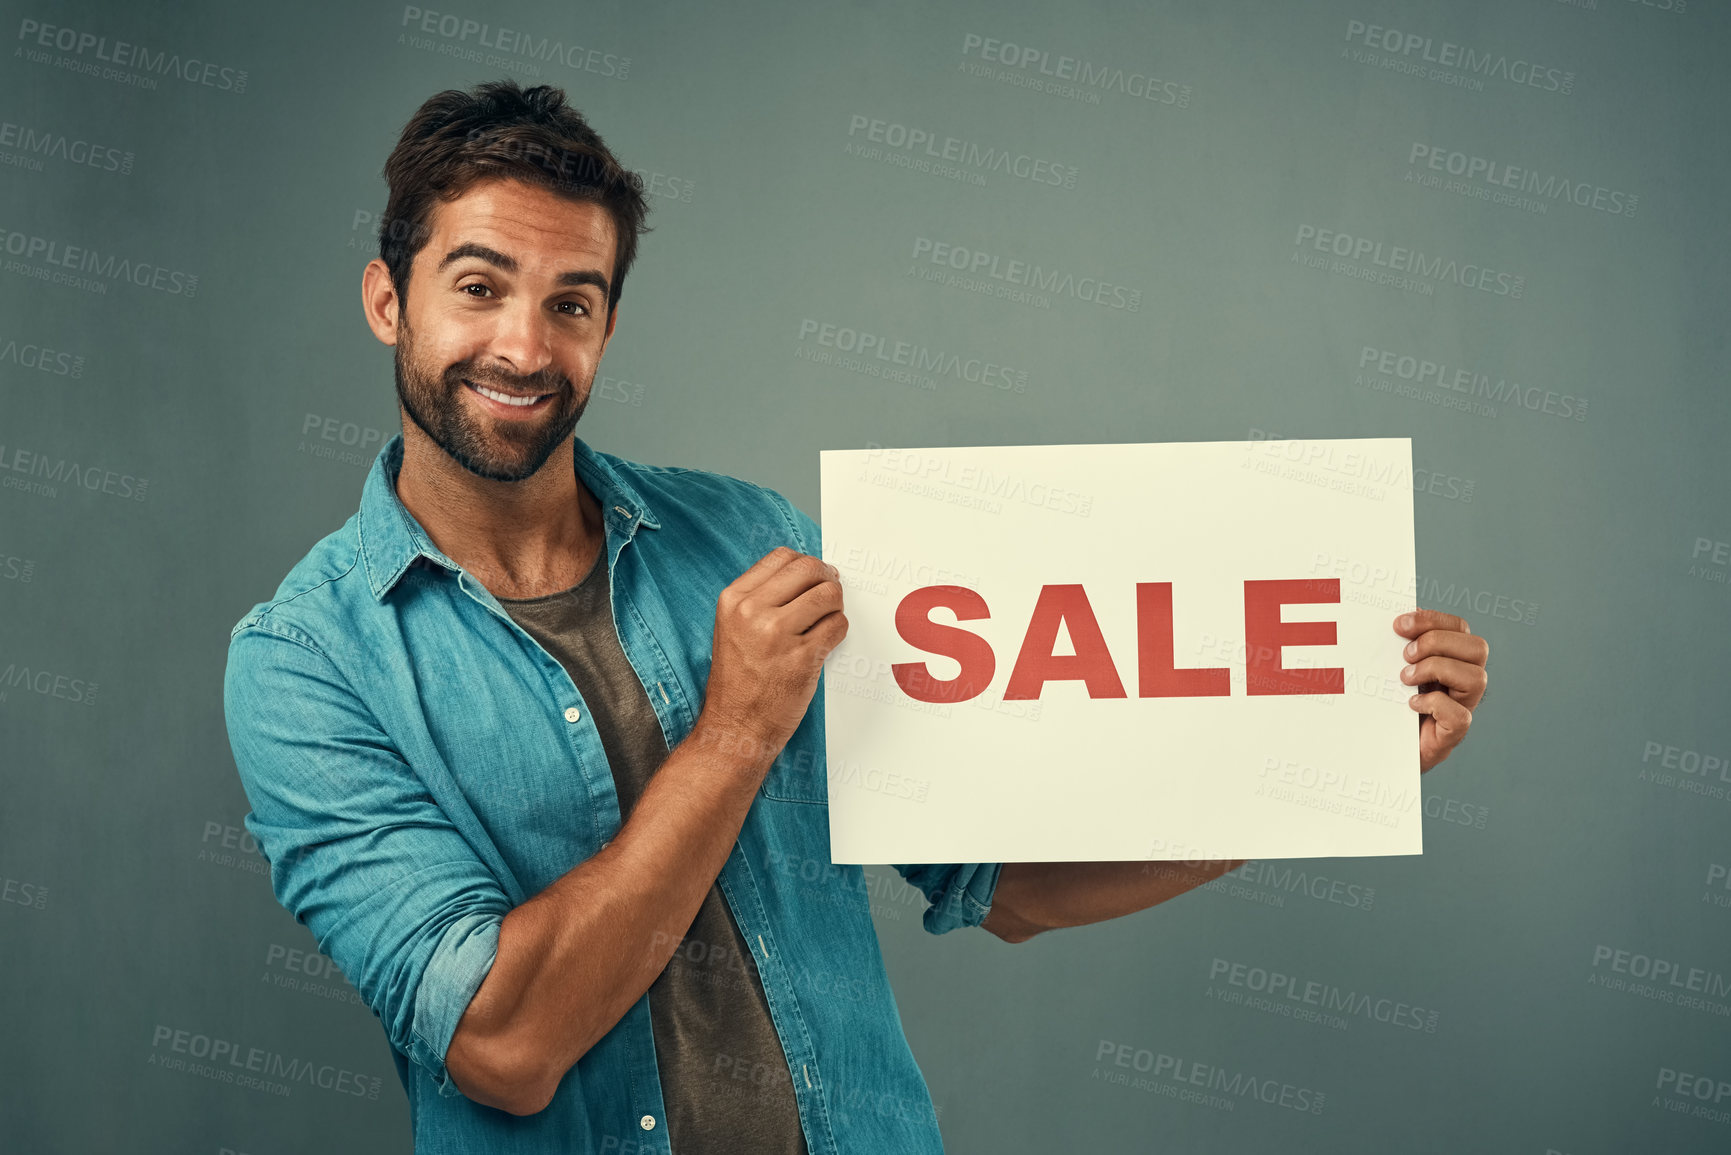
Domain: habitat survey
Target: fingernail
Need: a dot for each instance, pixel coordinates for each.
(1406, 674)
(1411, 651)
(1406, 621)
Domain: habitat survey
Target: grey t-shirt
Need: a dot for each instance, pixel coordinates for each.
(724, 1076)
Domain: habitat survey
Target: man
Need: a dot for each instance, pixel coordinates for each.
(534, 742)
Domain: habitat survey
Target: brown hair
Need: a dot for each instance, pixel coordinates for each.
(499, 129)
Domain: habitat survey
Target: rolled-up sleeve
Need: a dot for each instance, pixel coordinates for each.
(957, 894)
(359, 851)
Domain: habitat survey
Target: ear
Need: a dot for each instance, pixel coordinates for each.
(379, 301)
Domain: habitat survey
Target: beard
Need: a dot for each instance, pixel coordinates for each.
(494, 448)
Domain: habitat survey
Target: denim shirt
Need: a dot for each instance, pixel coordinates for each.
(417, 765)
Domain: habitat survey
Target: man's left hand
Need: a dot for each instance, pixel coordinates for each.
(1447, 667)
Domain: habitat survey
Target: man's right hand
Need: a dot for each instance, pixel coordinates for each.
(774, 627)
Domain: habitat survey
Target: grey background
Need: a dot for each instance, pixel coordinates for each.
(173, 455)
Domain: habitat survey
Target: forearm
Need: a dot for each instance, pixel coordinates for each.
(1038, 896)
(574, 958)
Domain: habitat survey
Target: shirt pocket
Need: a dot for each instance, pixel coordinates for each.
(797, 775)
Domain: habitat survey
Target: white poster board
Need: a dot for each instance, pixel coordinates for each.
(1136, 679)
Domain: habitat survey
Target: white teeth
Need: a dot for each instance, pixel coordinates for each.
(506, 398)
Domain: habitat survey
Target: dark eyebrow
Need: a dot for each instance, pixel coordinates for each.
(509, 265)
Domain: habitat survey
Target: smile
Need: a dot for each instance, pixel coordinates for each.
(506, 398)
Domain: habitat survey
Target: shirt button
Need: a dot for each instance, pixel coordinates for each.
(571, 715)
(647, 1122)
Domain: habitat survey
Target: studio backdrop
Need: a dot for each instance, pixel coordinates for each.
(1497, 227)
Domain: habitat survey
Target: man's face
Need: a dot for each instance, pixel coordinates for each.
(509, 294)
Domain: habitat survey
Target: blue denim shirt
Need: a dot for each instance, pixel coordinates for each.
(417, 765)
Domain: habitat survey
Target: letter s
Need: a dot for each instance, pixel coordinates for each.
(914, 624)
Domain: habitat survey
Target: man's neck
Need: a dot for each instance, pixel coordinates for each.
(520, 539)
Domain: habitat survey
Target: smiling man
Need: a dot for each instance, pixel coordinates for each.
(533, 742)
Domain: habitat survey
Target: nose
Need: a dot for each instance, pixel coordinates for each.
(522, 339)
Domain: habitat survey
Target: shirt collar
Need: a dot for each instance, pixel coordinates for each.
(391, 539)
